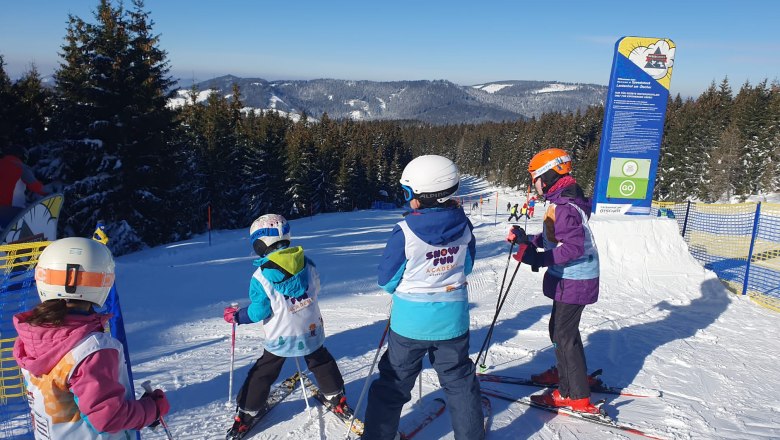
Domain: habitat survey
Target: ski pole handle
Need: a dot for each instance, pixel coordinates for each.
(147, 386)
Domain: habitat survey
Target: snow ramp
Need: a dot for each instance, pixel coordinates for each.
(663, 322)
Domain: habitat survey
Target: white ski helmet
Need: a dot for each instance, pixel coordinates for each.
(430, 178)
(75, 268)
(267, 231)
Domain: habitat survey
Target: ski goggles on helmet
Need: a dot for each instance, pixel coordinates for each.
(269, 232)
(548, 166)
(408, 193)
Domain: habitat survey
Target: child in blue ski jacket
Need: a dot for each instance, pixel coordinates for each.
(284, 291)
(424, 266)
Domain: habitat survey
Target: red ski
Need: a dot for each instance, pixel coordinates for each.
(420, 419)
(601, 419)
(597, 386)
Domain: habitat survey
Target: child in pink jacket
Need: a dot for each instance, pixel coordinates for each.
(74, 371)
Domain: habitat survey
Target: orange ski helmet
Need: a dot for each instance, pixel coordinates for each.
(550, 159)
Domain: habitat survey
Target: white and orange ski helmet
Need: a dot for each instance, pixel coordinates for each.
(75, 268)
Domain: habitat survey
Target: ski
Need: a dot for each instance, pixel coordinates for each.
(411, 427)
(313, 390)
(596, 385)
(277, 394)
(601, 419)
(419, 419)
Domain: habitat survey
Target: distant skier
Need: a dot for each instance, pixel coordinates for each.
(572, 277)
(75, 372)
(425, 264)
(524, 210)
(508, 206)
(513, 213)
(284, 293)
(15, 176)
(531, 206)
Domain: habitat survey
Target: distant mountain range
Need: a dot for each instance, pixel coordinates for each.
(436, 102)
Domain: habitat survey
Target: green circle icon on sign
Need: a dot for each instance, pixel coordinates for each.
(627, 188)
(630, 168)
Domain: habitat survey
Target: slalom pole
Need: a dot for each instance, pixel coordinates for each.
(209, 222)
(495, 219)
(232, 358)
(303, 387)
(147, 386)
(368, 378)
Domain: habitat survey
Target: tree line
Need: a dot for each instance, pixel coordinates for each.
(106, 136)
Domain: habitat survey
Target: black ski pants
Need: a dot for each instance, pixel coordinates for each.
(266, 369)
(569, 352)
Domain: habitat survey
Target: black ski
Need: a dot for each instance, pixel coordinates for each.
(277, 394)
(345, 414)
(602, 418)
(596, 385)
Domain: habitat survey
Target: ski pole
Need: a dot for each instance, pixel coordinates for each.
(232, 358)
(419, 390)
(147, 386)
(498, 301)
(368, 378)
(506, 269)
(303, 387)
(486, 343)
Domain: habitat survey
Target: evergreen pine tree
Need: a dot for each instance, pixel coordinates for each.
(33, 108)
(114, 126)
(749, 115)
(7, 107)
(304, 178)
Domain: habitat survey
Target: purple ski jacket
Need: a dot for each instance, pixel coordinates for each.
(563, 224)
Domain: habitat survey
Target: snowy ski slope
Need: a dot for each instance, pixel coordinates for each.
(662, 322)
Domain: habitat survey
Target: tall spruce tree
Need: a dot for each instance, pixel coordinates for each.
(7, 105)
(33, 108)
(749, 115)
(304, 178)
(113, 126)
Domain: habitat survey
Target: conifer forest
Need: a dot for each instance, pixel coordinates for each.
(105, 135)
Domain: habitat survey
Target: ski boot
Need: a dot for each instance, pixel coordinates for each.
(242, 424)
(338, 402)
(550, 377)
(554, 399)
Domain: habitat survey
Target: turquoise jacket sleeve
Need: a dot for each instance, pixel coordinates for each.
(260, 306)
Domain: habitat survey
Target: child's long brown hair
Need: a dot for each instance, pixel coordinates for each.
(49, 313)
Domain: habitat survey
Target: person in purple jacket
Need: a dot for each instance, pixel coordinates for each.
(567, 249)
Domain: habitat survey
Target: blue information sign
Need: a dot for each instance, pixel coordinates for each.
(633, 125)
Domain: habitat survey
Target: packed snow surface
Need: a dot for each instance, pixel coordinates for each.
(493, 88)
(661, 322)
(558, 88)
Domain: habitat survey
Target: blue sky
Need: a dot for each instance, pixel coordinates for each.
(464, 42)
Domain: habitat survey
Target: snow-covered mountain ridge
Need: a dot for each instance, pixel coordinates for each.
(437, 102)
